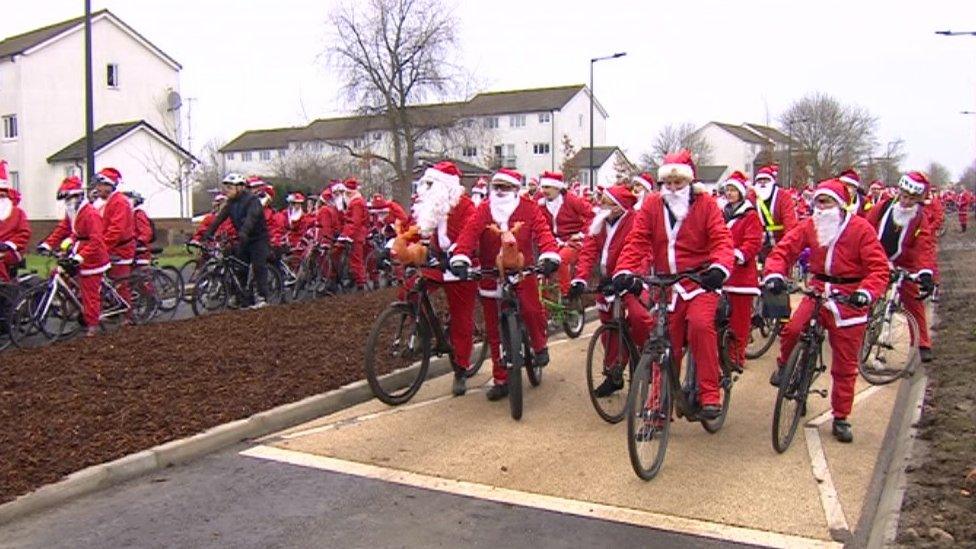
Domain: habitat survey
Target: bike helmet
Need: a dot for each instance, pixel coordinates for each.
(234, 179)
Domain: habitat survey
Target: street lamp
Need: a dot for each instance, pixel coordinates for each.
(592, 62)
(89, 108)
(789, 148)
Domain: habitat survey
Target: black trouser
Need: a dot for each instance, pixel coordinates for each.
(256, 253)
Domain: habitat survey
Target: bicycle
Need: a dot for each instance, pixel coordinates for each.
(407, 332)
(804, 365)
(656, 389)
(11, 293)
(567, 312)
(615, 336)
(769, 314)
(884, 357)
(165, 285)
(220, 282)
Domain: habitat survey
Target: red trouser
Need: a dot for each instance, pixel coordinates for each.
(963, 218)
(91, 298)
(532, 314)
(357, 262)
(695, 321)
(567, 264)
(916, 308)
(118, 272)
(740, 323)
(8, 261)
(845, 345)
(639, 322)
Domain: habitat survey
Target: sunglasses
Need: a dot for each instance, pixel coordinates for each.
(502, 187)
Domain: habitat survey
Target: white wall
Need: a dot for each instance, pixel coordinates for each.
(729, 150)
(10, 103)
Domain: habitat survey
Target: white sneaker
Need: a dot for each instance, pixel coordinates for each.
(259, 304)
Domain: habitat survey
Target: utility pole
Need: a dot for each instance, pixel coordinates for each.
(89, 101)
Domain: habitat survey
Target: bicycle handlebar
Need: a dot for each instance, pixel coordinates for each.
(663, 281)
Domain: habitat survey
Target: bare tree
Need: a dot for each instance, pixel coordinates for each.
(206, 176)
(623, 167)
(938, 174)
(967, 180)
(570, 172)
(835, 135)
(391, 55)
(674, 137)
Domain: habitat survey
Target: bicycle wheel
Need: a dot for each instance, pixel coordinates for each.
(512, 348)
(574, 317)
(167, 292)
(394, 346)
(763, 332)
(890, 348)
(301, 286)
(52, 316)
(648, 411)
(533, 372)
(613, 407)
(144, 296)
(725, 382)
(479, 352)
(210, 293)
(790, 397)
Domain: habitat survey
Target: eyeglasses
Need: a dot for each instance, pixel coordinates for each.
(502, 187)
(824, 201)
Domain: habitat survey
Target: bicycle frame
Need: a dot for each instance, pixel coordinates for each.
(428, 321)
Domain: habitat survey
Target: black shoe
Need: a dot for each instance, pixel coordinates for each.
(775, 378)
(842, 431)
(611, 384)
(541, 358)
(497, 392)
(926, 354)
(460, 384)
(710, 411)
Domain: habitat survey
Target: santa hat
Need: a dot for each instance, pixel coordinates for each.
(876, 186)
(109, 176)
(4, 180)
(268, 190)
(326, 194)
(552, 179)
(509, 176)
(835, 189)
(336, 186)
(849, 177)
(914, 183)
(621, 196)
(295, 198)
(533, 181)
(254, 182)
(378, 202)
(677, 164)
(481, 187)
(350, 185)
(445, 173)
(737, 180)
(644, 179)
(767, 172)
(71, 186)
(219, 197)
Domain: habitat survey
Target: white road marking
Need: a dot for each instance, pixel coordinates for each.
(539, 501)
(829, 500)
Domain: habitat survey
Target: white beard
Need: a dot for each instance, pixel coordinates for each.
(599, 220)
(640, 201)
(827, 223)
(554, 205)
(476, 199)
(6, 208)
(340, 203)
(71, 207)
(502, 207)
(99, 203)
(434, 204)
(903, 216)
(294, 214)
(764, 191)
(678, 202)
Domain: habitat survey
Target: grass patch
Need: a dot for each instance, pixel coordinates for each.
(174, 256)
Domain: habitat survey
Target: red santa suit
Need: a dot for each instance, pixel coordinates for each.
(120, 238)
(15, 231)
(698, 241)
(742, 285)
(569, 217)
(296, 223)
(354, 231)
(777, 212)
(533, 234)
(853, 261)
(145, 235)
(964, 201)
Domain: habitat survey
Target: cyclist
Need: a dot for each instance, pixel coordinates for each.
(601, 249)
(776, 210)
(295, 221)
(858, 202)
(742, 286)
(80, 232)
(247, 215)
(504, 208)
(678, 230)
(876, 192)
(226, 230)
(643, 185)
(847, 258)
(355, 228)
(15, 231)
(907, 238)
(119, 227)
(479, 191)
(569, 217)
(145, 229)
(964, 201)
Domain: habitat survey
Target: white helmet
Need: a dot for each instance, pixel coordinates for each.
(234, 179)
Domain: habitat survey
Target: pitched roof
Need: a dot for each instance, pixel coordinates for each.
(467, 168)
(710, 174)
(600, 155)
(771, 133)
(745, 134)
(253, 140)
(108, 134)
(513, 101)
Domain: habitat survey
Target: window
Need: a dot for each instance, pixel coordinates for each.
(282, 153)
(544, 118)
(112, 75)
(516, 120)
(498, 150)
(264, 155)
(540, 148)
(491, 122)
(230, 156)
(246, 156)
(469, 151)
(15, 180)
(376, 136)
(357, 143)
(10, 129)
(467, 123)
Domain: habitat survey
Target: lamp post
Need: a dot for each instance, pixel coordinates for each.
(592, 62)
(89, 106)
(789, 148)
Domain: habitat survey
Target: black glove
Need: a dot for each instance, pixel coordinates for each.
(776, 286)
(860, 298)
(460, 269)
(548, 266)
(926, 284)
(712, 279)
(576, 289)
(626, 282)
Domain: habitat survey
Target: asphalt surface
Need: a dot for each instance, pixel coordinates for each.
(227, 500)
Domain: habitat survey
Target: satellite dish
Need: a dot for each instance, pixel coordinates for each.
(173, 101)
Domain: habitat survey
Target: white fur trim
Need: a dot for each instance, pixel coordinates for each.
(741, 290)
(550, 182)
(642, 182)
(142, 262)
(122, 262)
(506, 178)
(924, 272)
(95, 270)
(849, 181)
(910, 185)
(462, 258)
(45, 246)
(739, 186)
(671, 170)
(831, 194)
(739, 257)
(492, 294)
(550, 255)
(437, 176)
(575, 280)
(844, 322)
(771, 276)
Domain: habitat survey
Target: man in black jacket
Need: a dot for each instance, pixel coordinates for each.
(247, 215)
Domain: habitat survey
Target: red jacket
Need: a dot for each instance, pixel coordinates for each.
(778, 214)
(145, 234)
(700, 241)
(120, 228)
(327, 222)
(747, 238)
(573, 217)
(295, 230)
(356, 221)
(225, 231)
(89, 243)
(602, 250)
(935, 212)
(911, 247)
(854, 254)
(275, 225)
(15, 231)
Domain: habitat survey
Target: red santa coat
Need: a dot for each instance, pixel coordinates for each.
(226, 229)
(294, 230)
(935, 212)
(601, 250)
(119, 228)
(701, 240)
(778, 215)
(356, 221)
(572, 217)
(89, 243)
(855, 260)
(15, 231)
(328, 222)
(911, 247)
(275, 225)
(145, 234)
(475, 236)
(747, 237)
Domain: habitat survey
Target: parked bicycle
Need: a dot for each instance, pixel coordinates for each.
(562, 311)
(612, 353)
(220, 285)
(890, 348)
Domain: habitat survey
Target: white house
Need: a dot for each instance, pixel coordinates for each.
(738, 147)
(522, 129)
(42, 98)
(606, 161)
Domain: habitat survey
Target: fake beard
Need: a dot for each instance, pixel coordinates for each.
(340, 203)
(433, 205)
(678, 201)
(599, 220)
(99, 203)
(827, 223)
(476, 198)
(554, 204)
(294, 214)
(71, 207)
(903, 216)
(502, 205)
(764, 191)
(6, 206)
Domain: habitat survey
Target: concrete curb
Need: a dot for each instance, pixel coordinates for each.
(104, 475)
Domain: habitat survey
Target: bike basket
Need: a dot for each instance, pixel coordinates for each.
(775, 306)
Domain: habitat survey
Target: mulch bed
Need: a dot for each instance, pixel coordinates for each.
(939, 508)
(84, 402)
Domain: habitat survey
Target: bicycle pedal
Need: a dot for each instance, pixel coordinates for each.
(821, 392)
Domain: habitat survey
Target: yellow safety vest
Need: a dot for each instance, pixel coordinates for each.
(767, 216)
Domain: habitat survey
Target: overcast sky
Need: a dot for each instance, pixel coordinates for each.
(256, 63)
